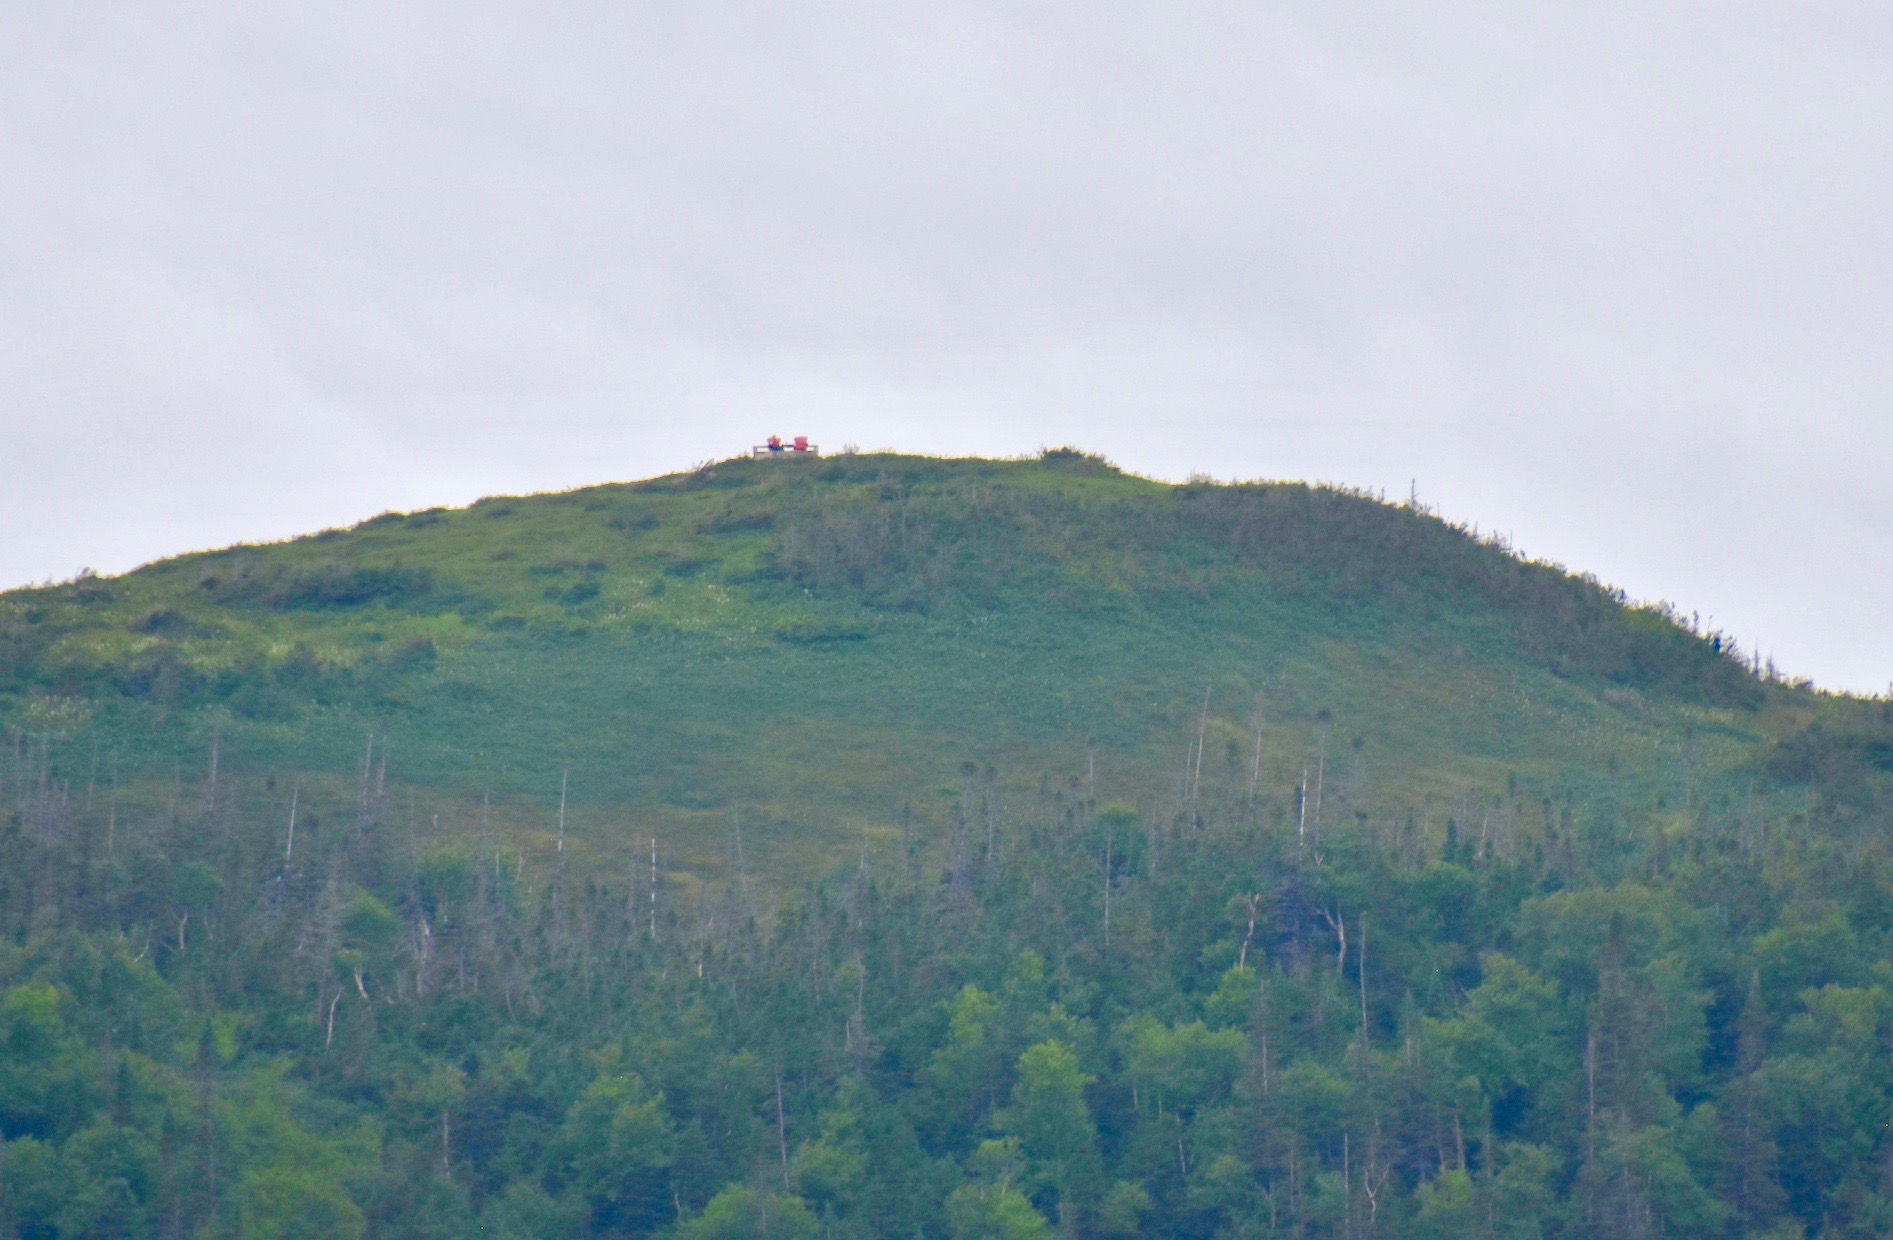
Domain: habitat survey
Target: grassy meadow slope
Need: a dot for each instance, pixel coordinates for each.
(832, 654)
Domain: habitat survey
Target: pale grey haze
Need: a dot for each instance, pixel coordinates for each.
(1609, 275)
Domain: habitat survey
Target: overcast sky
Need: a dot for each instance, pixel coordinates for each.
(1610, 275)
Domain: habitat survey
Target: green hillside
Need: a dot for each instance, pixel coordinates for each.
(821, 647)
(1039, 849)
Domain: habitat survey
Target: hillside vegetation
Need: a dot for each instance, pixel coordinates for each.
(890, 846)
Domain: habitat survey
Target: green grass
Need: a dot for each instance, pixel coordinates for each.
(818, 649)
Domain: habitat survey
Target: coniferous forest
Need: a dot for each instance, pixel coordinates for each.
(884, 847)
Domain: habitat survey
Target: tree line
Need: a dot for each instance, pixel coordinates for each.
(238, 1003)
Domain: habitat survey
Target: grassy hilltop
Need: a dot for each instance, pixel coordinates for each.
(821, 650)
(1041, 850)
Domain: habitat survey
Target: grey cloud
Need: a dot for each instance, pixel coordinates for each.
(1611, 275)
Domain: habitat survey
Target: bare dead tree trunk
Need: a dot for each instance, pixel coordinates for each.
(1301, 819)
(1347, 1185)
(564, 777)
(1338, 924)
(1196, 773)
(1255, 763)
(782, 1132)
(1242, 955)
(1360, 966)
